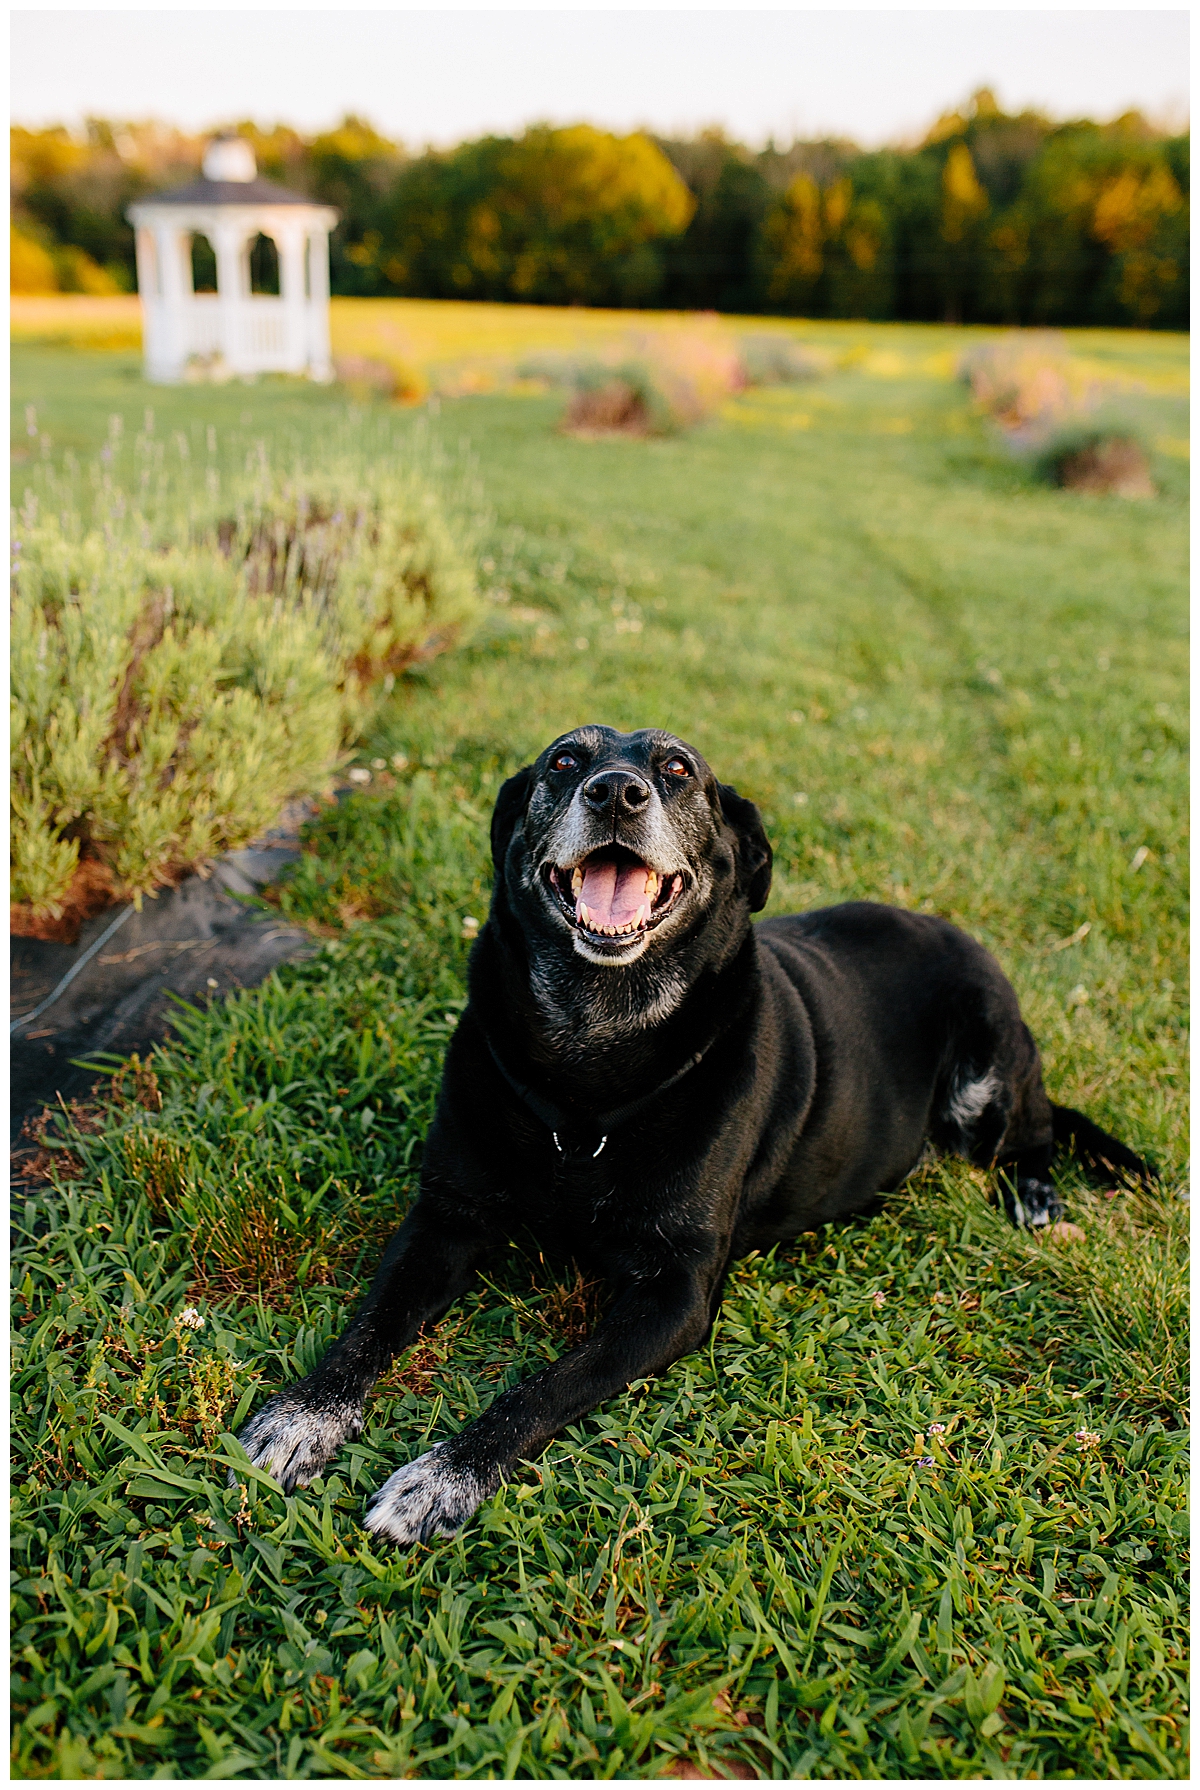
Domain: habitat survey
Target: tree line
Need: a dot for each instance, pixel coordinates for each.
(993, 218)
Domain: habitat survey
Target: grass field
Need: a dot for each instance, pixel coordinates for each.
(918, 1509)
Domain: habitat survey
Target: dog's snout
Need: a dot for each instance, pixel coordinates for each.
(617, 792)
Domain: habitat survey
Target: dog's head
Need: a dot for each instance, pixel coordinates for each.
(620, 845)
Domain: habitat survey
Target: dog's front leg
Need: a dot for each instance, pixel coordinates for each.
(428, 1264)
(651, 1325)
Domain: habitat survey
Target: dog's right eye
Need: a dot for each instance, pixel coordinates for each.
(566, 761)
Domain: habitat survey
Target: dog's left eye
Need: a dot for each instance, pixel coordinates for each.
(675, 767)
(566, 761)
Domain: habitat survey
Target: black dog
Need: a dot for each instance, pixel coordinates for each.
(645, 1080)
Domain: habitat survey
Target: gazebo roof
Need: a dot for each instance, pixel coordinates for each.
(229, 192)
(229, 177)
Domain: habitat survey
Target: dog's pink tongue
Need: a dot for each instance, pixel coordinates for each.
(613, 893)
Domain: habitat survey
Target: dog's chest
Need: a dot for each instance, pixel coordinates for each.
(591, 1208)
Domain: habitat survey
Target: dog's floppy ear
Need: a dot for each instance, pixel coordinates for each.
(754, 848)
(510, 806)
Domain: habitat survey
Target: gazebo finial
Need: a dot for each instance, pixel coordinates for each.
(229, 158)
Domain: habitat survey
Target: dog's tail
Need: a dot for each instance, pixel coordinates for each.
(1098, 1153)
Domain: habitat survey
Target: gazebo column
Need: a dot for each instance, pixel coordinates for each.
(228, 244)
(289, 240)
(151, 293)
(175, 286)
(320, 359)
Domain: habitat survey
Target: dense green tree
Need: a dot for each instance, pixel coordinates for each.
(836, 251)
(354, 169)
(714, 265)
(993, 217)
(552, 217)
(72, 194)
(1106, 229)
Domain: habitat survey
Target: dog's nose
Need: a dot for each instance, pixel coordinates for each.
(620, 791)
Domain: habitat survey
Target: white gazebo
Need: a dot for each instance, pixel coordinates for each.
(265, 250)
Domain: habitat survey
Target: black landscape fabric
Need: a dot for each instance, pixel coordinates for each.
(194, 943)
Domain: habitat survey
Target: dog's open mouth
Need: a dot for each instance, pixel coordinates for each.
(613, 894)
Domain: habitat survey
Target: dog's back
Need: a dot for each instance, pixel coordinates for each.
(881, 988)
(919, 1038)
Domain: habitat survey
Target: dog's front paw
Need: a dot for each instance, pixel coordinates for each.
(431, 1496)
(294, 1441)
(1032, 1204)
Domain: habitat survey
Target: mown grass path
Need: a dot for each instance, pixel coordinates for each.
(918, 1510)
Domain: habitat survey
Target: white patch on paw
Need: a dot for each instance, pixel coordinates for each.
(1037, 1206)
(428, 1497)
(294, 1442)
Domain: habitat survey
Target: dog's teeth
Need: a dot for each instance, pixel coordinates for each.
(651, 883)
(576, 881)
(585, 913)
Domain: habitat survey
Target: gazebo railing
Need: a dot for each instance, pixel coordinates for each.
(263, 328)
(204, 324)
(258, 333)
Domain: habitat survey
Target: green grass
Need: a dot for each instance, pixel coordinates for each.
(947, 687)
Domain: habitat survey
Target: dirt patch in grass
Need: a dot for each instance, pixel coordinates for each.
(571, 1310)
(40, 1155)
(248, 1247)
(417, 1368)
(614, 408)
(1114, 465)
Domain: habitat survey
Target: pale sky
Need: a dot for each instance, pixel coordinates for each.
(440, 76)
